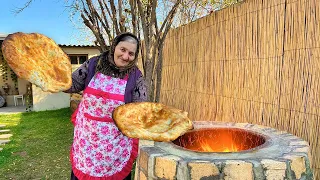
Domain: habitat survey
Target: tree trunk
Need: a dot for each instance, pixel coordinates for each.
(148, 76)
(159, 72)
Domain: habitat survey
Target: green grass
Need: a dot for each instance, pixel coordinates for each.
(39, 147)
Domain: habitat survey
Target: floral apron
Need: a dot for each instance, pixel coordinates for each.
(99, 150)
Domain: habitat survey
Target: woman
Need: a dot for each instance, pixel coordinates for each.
(99, 150)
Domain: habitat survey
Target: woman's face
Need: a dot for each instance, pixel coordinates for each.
(124, 53)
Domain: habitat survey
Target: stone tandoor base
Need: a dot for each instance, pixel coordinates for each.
(283, 156)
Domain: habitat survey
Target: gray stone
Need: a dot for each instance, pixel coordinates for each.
(153, 150)
(257, 170)
(182, 171)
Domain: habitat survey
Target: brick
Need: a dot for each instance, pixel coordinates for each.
(275, 174)
(273, 165)
(142, 176)
(238, 170)
(143, 160)
(199, 170)
(274, 170)
(166, 167)
(146, 143)
(297, 165)
(146, 159)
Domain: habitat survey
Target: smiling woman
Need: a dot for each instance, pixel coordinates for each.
(99, 149)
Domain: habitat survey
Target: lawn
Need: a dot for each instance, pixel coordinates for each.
(39, 147)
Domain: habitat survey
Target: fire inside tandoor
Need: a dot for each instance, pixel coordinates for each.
(220, 140)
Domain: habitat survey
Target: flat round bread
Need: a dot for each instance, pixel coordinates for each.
(151, 121)
(38, 59)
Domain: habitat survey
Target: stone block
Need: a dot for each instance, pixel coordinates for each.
(299, 143)
(146, 143)
(238, 170)
(274, 170)
(183, 171)
(302, 149)
(298, 165)
(143, 160)
(166, 167)
(146, 159)
(142, 176)
(273, 165)
(200, 170)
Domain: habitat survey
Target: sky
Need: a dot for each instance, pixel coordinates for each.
(48, 17)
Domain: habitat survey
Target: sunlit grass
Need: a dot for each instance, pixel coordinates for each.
(39, 147)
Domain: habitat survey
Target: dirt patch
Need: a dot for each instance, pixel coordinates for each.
(21, 153)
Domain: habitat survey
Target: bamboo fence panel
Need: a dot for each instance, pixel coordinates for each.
(255, 62)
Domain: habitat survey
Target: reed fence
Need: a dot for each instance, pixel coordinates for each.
(256, 62)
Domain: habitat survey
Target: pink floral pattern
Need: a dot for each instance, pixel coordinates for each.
(108, 84)
(99, 148)
(99, 106)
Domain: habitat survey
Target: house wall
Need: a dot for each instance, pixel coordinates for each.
(6, 71)
(91, 51)
(49, 101)
(81, 50)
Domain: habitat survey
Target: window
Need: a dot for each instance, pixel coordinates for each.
(78, 58)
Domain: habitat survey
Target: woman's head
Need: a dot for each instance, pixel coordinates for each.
(122, 57)
(125, 50)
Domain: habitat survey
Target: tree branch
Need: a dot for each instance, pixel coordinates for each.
(114, 16)
(144, 23)
(154, 17)
(105, 22)
(170, 15)
(102, 46)
(122, 18)
(133, 15)
(27, 4)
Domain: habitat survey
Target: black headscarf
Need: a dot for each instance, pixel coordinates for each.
(106, 64)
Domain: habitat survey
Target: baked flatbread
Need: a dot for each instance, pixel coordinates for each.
(151, 121)
(38, 59)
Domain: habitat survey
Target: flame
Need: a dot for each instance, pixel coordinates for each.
(219, 140)
(209, 147)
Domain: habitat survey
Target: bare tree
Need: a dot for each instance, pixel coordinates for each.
(108, 18)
